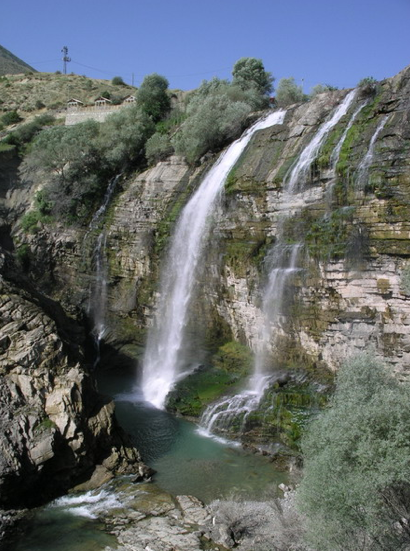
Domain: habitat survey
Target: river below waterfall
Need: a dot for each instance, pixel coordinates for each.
(186, 461)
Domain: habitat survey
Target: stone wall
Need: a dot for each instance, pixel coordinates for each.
(99, 114)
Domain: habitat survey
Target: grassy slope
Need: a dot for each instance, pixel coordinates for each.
(27, 92)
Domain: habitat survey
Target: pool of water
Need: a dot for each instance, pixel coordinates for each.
(186, 461)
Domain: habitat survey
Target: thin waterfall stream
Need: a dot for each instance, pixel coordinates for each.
(299, 172)
(363, 169)
(163, 364)
(98, 292)
(282, 263)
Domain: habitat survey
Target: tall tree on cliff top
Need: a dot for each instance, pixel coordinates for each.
(249, 72)
(153, 98)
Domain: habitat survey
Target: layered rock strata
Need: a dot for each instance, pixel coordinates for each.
(55, 427)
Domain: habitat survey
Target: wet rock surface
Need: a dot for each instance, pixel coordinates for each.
(155, 521)
(54, 426)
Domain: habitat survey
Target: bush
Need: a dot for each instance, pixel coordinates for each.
(11, 117)
(356, 490)
(118, 81)
(153, 98)
(368, 87)
(122, 138)
(25, 133)
(216, 113)
(158, 148)
(321, 89)
(249, 72)
(288, 92)
(210, 126)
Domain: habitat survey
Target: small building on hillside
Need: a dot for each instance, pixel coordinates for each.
(74, 104)
(102, 102)
(129, 100)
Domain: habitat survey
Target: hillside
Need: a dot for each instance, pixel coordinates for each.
(31, 92)
(11, 64)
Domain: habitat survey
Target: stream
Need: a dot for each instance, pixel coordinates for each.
(186, 461)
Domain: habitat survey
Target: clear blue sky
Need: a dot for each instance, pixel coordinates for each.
(335, 42)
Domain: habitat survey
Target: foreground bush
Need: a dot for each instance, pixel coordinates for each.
(356, 486)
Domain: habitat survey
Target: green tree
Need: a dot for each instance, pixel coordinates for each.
(64, 150)
(122, 138)
(211, 123)
(249, 72)
(118, 81)
(288, 92)
(216, 113)
(158, 148)
(356, 485)
(11, 117)
(321, 88)
(153, 97)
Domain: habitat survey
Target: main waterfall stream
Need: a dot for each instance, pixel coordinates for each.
(163, 361)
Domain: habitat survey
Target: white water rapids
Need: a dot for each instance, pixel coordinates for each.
(162, 366)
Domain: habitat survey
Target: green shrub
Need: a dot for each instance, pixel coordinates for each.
(321, 88)
(23, 256)
(216, 114)
(355, 489)
(249, 72)
(11, 117)
(30, 221)
(118, 81)
(158, 148)
(368, 86)
(153, 98)
(288, 92)
(233, 357)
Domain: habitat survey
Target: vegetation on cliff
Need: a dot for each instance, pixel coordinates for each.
(355, 490)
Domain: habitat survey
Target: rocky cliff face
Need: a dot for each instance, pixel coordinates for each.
(352, 222)
(350, 216)
(55, 427)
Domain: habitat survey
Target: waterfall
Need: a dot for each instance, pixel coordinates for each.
(282, 263)
(363, 168)
(162, 365)
(334, 157)
(98, 293)
(98, 299)
(220, 416)
(299, 172)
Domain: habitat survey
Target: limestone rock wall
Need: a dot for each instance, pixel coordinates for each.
(54, 426)
(354, 228)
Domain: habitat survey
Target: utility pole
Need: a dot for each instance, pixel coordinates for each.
(66, 59)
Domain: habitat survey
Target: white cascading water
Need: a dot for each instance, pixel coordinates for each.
(299, 172)
(162, 365)
(363, 168)
(334, 157)
(98, 292)
(283, 264)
